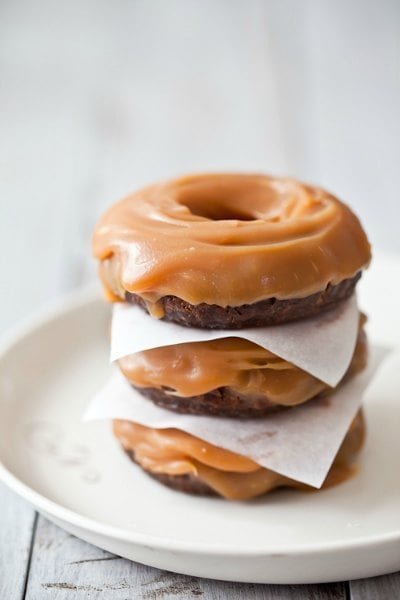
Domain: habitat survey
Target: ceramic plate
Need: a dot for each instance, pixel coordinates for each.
(76, 475)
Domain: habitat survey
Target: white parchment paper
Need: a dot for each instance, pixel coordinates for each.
(322, 346)
(300, 442)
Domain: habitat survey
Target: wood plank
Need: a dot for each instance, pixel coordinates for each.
(286, 25)
(354, 91)
(63, 566)
(386, 587)
(50, 149)
(17, 521)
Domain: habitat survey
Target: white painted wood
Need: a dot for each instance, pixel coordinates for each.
(376, 588)
(354, 62)
(286, 24)
(63, 567)
(16, 528)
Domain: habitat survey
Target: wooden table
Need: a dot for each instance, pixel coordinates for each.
(99, 97)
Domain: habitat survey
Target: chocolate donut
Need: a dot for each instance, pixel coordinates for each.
(187, 464)
(260, 314)
(230, 377)
(230, 250)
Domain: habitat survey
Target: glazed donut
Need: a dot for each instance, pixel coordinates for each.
(188, 464)
(230, 250)
(230, 377)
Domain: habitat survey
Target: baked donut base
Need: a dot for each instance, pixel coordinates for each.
(221, 402)
(187, 483)
(259, 314)
(342, 467)
(226, 402)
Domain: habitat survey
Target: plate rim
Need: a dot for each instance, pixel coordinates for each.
(44, 504)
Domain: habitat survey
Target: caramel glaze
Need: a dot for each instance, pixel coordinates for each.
(193, 369)
(227, 239)
(235, 477)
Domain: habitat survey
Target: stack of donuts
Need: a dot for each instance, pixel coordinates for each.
(227, 252)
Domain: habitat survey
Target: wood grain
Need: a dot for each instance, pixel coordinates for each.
(376, 588)
(17, 521)
(353, 91)
(63, 567)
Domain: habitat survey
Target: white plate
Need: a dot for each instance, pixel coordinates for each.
(77, 476)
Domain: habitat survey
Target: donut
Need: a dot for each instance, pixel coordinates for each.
(229, 377)
(188, 464)
(230, 250)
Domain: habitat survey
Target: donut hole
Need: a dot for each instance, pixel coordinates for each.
(237, 199)
(223, 201)
(216, 210)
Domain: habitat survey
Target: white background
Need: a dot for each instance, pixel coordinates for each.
(98, 97)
